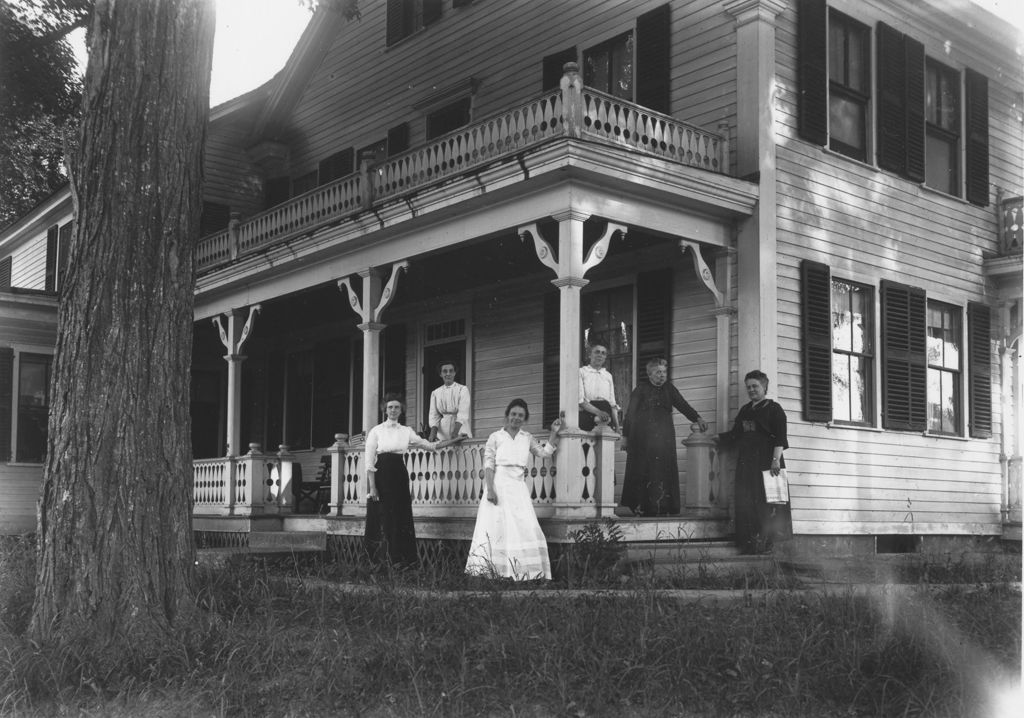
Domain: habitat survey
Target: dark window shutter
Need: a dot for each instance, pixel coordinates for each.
(398, 139)
(431, 11)
(52, 235)
(904, 357)
(461, 3)
(816, 298)
(653, 317)
(395, 30)
(653, 54)
(336, 166)
(812, 71)
(892, 116)
(979, 349)
(553, 68)
(914, 61)
(552, 352)
(977, 137)
(275, 191)
(6, 406)
(5, 273)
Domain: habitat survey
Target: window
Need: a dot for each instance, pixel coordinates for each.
(407, 16)
(335, 166)
(305, 183)
(942, 128)
(448, 118)
(607, 318)
(33, 406)
(917, 127)
(921, 367)
(609, 66)
(852, 353)
(849, 75)
(945, 335)
(215, 217)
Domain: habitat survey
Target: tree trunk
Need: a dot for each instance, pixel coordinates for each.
(116, 554)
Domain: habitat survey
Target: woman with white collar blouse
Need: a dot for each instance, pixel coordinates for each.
(390, 535)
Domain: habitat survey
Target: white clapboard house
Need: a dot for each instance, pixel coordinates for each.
(828, 191)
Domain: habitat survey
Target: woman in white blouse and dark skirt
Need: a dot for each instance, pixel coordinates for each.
(507, 540)
(390, 537)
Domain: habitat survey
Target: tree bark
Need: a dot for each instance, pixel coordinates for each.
(116, 554)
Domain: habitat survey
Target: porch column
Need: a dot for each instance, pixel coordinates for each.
(569, 267)
(239, 327)
(374, 301)
(703, 488)
(755, 156)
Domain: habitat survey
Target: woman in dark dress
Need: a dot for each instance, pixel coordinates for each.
(759, 437)
(390, 535)
(651, 485)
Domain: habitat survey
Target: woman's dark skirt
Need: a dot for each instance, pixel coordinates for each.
(390, 536)
(588, 421)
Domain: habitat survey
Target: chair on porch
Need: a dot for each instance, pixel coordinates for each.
(312, 497)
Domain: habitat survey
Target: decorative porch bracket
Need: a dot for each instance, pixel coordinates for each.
(705, 488)
(233, 337)
(370, 307)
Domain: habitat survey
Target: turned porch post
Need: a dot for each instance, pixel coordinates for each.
(569, 267)
(239, 327)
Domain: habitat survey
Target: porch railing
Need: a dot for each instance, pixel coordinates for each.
(451, 481)
(576, 112)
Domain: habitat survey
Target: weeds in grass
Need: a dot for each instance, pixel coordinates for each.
(263, 645)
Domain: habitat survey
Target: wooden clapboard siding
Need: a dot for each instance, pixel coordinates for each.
(869, 225)
(28, 263)
(231, 178)
(19, 491)
(508, 356)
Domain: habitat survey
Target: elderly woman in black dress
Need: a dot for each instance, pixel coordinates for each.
(651, 485)
(759, 437)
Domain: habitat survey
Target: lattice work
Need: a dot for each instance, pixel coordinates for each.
(434, 553)
(221, 539)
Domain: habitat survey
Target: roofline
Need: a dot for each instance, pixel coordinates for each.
(44, 210)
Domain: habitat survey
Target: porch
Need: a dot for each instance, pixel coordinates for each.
(262, 492)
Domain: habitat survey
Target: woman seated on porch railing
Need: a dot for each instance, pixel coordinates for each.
(390, 535)
(507, 539)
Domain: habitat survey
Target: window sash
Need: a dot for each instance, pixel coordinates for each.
(945, 342)
(609, 66)
(853, 353)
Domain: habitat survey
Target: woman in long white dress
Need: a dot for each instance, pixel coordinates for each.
(507, 539)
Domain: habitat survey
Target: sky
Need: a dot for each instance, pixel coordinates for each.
(255, 38)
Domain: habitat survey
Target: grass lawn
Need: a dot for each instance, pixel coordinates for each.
(280, 639)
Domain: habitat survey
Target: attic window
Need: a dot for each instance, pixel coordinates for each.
(408, 16)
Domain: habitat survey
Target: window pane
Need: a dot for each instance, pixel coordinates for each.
(841, 387)
(860, 327)
(33, 407)
(841, 318)
(941, 164)
(846, 121)
(950, 402)
(609, 66)
(859, 389)
(857, 62)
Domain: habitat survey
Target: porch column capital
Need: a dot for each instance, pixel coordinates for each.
(233, 336)
(570, 282)
(571, 214)
(371, 326)
(749, 10)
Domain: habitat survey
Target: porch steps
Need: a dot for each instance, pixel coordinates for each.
(673, 558)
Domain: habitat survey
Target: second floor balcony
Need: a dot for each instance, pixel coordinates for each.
(572, 112)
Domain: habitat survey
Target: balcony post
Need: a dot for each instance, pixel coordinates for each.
(723, 147)
(282, 480)
(572, 99)
(233, 337)
(605, 484)
(234, 231)
(366, 179)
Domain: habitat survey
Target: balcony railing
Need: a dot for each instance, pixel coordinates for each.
(571, 111)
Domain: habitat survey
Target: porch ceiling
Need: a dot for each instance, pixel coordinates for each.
(644, 193)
